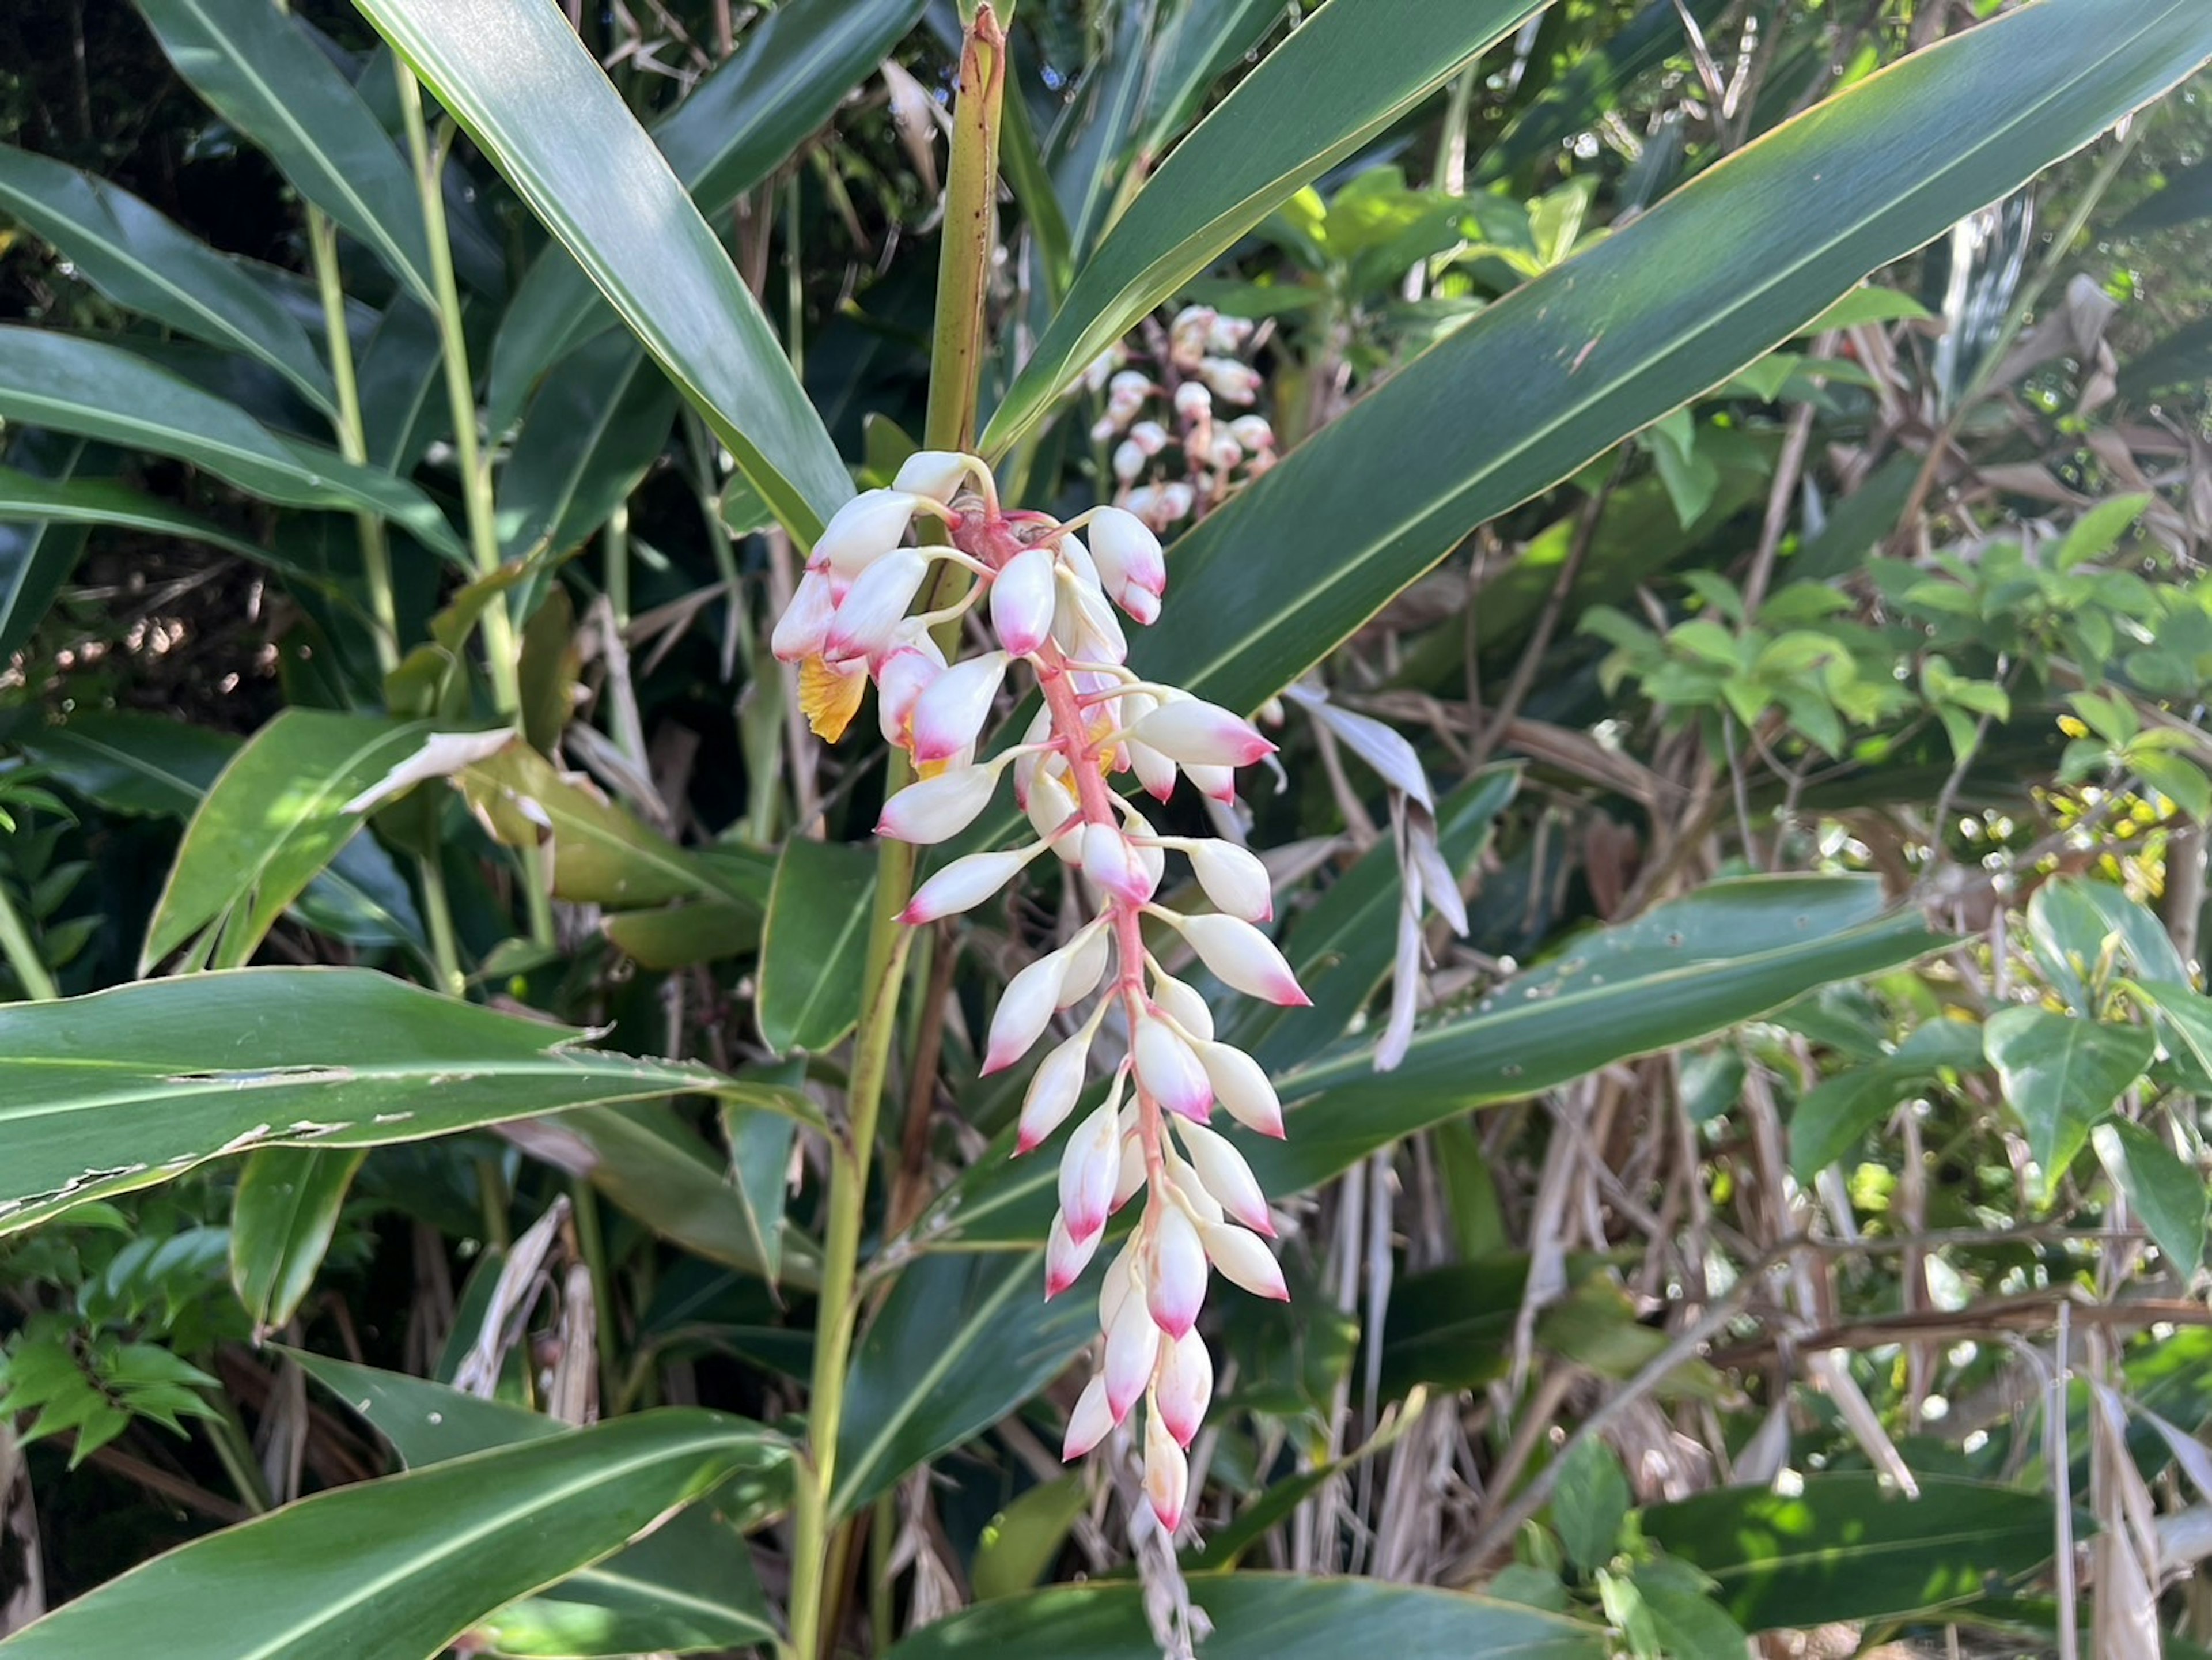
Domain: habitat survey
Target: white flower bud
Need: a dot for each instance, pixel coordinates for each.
(1229, 334)
(1222, 1171)
(1176, 1288)
(1225, 453)
(1133, 1169)
(1168, 1069)
(1242, 956)
(1049, 807)
(1182, 1386)
(1193, 733)
(1088, 1422)
(1234, 878)
(1176, 500)
(1218, 783)
(1089, 1168)
(937, 809)
(1130, 384)
(1150, 436)
(1128, 461)
(1193, 402)
(937, 474)
(965, 884)
(1065, 1257)
(1024, 1010)
(804, 625)
(1232, 382)
(950, 715)
(1241, 1085)
(1126, 554)
(1253, 433)
(903, 674)
(1023, 595)
(1132, 1343)
(1086, 964)
(876, 604)
(1183, 1006)
(1051, 1096)
(1167, 1474)
(1107, 860)
(1244, 1261)
(862, 531)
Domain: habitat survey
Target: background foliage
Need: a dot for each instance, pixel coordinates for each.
(1776, 1216)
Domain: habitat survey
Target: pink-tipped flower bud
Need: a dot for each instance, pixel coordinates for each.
(1023, 596)
(903, 674)
(1169, 1070)
(1242, 956)
(1244, 1261)
(1050, 804)
(1128, 461)
(1234, 878)
(862, 531)
(804, 624)
(1221, 1170)
(1083, 625)
(1167, 1474)
(1051, 1096)
(1175, 1290)
(1154, 770)
(1108, 859)
(1133, 1344)
(1191, 732)
(1024, 1011)
(1183, 1006)
(965, 884)
(1187, 335)
(868, 616)
(949, 716)
(1193, 402)
(1065, 1257)
(937, 474)
(1103, 428)
(1224, 453)
(1087, 956)
(1176, 500)
(1089, 1168)
(1182, 1386)
(1229, 334)
(937, 809)
(1232, 382)
(1127, 554)
(1253, 433)
(1088, 1422)
(1130, 384)
(1219, 783)
(1150, 436)
(1241, 1085)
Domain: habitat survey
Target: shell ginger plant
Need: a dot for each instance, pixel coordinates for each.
(1050, 597)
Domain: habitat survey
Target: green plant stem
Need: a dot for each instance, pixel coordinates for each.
(31, 972)
(438, 913)
(353, 435)
(228, 1436)
(500, 650)
(956, 358)
(591, 1243)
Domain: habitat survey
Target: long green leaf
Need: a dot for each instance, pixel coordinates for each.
(143, 261)
(1335, 82)
(811, 974)
(601, 419)
(514, 74)
(84, 503)
(261, 72)
(72, 384)
(280, 1224)
(1260, 1616)
(37, 557)
(1567, 366)
(2061, 1074)
(126, 1088)
(403, 1565)
(791, 70)
(273, 819)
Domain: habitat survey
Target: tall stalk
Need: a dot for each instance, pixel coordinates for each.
(957, 349)
(500, 650)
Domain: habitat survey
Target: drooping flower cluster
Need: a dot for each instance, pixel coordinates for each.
(1194, 369)
(1050, 596)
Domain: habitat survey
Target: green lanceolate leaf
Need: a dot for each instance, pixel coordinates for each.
(403, 1565)
(814, 949)
(1707, 281)
(82, 502)
(529, 93)
(2061, 1074)
(37, 556)
(961, 1341)
(132, 763)
(1260, 1616)
(273, 819)
(144, 262)
(599, 422)
(126, 1088)
(281, 1224)
(1337, 81)
(1849, 1548)
(70, 384)
(791, 70)
(262, 73)
(2168, 1197)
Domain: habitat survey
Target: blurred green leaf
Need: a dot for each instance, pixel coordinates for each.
(2060, 1073)
(814, 948)
(2168, 1197)
(1590, 1504)
(1023, 1541)
(281, 1224)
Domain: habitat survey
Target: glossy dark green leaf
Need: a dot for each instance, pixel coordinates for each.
(814, 949)
(1452, 1327)
(263, 73)
(961, 1341)
(1567, 366)
(85, 503)
(37, 557)
(1847, 1548)
(678, 936)
(791, 70)
(1342, 946)
(1342, 76)
(462, 1538)
(426, 1423)
(2166, 1196)
(403, 396)
(536, 102)
(133, 763)
(281, 1224)
(654, 1168)
(1021, 1542)
(72, 384)
(1260, 1616)
(144, 263)
(1832, 1115)
(126, 1088)
(601, 419)
(273, 819)
(2060, 1073)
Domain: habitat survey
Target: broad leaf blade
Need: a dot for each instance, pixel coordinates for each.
(598, 422)
(814, 948)
(1337, 81)
(1705, 283)
(126, 1088)
(1260, 1616)
(281, 1224)
(518, 78)
(2168, 1197)
(264, 74)
(84, 503)
(2061, 1074)
(462, 1538)
(36, 558)
(147, 264)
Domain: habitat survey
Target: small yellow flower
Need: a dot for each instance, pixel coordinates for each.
(829, 695)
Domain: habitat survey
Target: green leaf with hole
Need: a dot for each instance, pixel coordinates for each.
(814, 948)
(1570, 364)
(1342, 76)
(595, 180)
(464, 1538)
(2060, 1073)
(125, 1089)
(1848, 1547)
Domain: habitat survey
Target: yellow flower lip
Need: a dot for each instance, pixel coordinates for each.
(829, 695)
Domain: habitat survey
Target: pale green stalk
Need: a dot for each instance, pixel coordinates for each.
(955, 362)
(22, 954)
